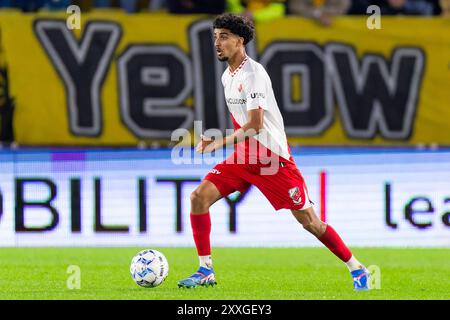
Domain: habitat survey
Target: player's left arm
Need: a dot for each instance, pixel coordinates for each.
(250, 129)
(254, 87)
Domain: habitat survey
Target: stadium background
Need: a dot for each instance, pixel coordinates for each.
(87, 117)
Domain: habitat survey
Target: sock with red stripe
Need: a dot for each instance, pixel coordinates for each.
(334, 243)
(201, 229)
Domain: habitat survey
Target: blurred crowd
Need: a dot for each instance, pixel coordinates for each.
(259, 10)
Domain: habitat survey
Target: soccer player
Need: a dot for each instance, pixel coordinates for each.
(260, 145)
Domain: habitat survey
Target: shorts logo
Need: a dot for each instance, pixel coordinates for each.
(295, 195)
(215, 171)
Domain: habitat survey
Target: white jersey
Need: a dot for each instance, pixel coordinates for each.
(249, 87)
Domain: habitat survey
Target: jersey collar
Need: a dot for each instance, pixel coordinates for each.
(238, 68)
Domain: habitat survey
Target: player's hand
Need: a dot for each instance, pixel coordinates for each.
(205, 145)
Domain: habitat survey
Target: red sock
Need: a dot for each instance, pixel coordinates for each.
(201, 228)
(332, 241)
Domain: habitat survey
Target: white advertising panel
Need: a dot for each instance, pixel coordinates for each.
(141, 198)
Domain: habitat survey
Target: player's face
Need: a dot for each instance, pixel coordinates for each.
(226, 43)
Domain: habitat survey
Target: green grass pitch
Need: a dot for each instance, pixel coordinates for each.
(242, 273)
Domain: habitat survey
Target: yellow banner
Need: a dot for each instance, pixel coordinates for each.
(125, 78)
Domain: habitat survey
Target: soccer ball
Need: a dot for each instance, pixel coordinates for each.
(149, 268)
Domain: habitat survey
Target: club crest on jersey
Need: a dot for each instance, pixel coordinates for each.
(295, 195)
(241, 87)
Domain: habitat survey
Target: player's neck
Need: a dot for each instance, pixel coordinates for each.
(236, 60)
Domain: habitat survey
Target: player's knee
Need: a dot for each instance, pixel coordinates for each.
(195, 196)
(198, 199)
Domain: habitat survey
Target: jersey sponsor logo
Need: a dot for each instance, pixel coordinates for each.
(236, 101)
(295, 195)
(255, 95)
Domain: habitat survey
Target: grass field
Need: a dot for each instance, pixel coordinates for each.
(242, 273)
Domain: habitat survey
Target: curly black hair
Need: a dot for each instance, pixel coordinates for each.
(239, 25)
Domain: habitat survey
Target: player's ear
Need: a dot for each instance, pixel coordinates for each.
(241, 40)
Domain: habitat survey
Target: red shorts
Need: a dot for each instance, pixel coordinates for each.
(284, 186)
